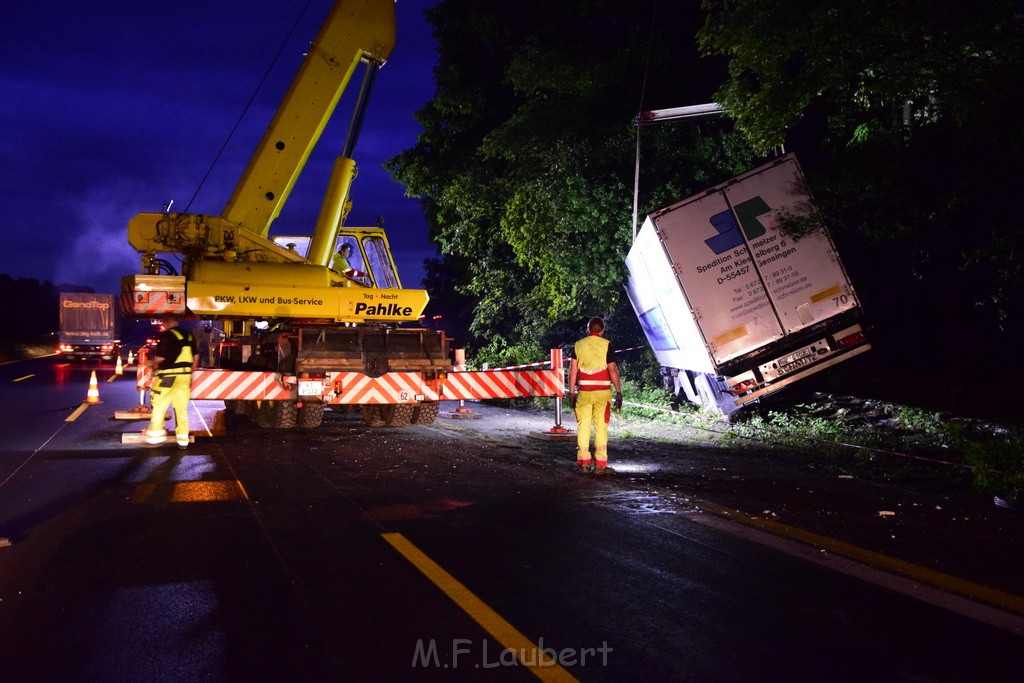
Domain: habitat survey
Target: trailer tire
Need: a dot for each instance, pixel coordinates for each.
(372, 416)
(311, 415)
(425, 413)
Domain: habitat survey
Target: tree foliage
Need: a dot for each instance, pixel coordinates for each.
(28, 308)
(526, 159)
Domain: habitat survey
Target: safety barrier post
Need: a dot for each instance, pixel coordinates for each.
(460, 366)
(557, 364)
(462, 412)
(143, 377)
(558, 432)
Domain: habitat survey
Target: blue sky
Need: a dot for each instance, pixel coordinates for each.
(112, 108)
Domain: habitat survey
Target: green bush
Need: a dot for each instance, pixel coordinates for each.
(998, 464)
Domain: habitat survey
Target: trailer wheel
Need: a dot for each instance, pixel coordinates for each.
(424, 413)
(372, 416)
(712, 396)
(278, 414)
(311, 415)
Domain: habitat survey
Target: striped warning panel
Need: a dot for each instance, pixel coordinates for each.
(355, 388)
(240, 385)
(503, 384)
(143, 373)
(152, 303)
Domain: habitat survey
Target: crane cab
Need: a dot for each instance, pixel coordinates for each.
(371, 253)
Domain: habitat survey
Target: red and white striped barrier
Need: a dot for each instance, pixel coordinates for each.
(355, 388)
(240, 385)
(508, 383)
(502, 384)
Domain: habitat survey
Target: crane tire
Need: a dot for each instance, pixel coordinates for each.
(400, 415)
(372, 416)
(425, 413)
(278, 414)
(311, 415)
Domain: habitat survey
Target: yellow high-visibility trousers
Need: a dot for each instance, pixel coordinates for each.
(593, 409)
(171, 391)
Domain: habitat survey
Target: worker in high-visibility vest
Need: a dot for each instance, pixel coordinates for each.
(172, 361)
(592, 374)
(340, 264)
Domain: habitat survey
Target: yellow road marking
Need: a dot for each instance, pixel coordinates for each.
(78, 411)
(206, 491)
(946, 582)
(543, 666)
(25, 377)
(190, 491)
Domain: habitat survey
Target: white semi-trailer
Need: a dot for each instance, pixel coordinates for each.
(734, 309)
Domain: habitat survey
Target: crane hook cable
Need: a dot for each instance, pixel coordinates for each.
(248, 105)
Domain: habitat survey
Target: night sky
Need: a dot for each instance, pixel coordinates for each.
(111, 108)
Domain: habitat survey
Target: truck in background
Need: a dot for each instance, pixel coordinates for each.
(734, 308)
(88, 327)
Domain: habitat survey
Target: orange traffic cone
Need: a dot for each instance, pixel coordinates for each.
(131, 358)
(119, 369)
(93, 395)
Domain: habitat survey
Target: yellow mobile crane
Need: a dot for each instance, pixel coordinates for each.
(324, 331)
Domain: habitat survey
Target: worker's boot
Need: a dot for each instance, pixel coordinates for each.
(154, 436)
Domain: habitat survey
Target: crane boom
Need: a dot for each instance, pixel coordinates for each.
(230, 267)
(355, 31)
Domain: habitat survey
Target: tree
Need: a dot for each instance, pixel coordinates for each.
(526, 158)
(30, 314)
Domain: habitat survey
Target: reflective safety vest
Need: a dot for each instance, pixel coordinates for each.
(183, 363)
(592, 364)
(340, 264)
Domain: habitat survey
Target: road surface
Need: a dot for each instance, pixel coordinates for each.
(447, 552)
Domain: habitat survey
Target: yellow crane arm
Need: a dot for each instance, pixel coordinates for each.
(355, 31)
